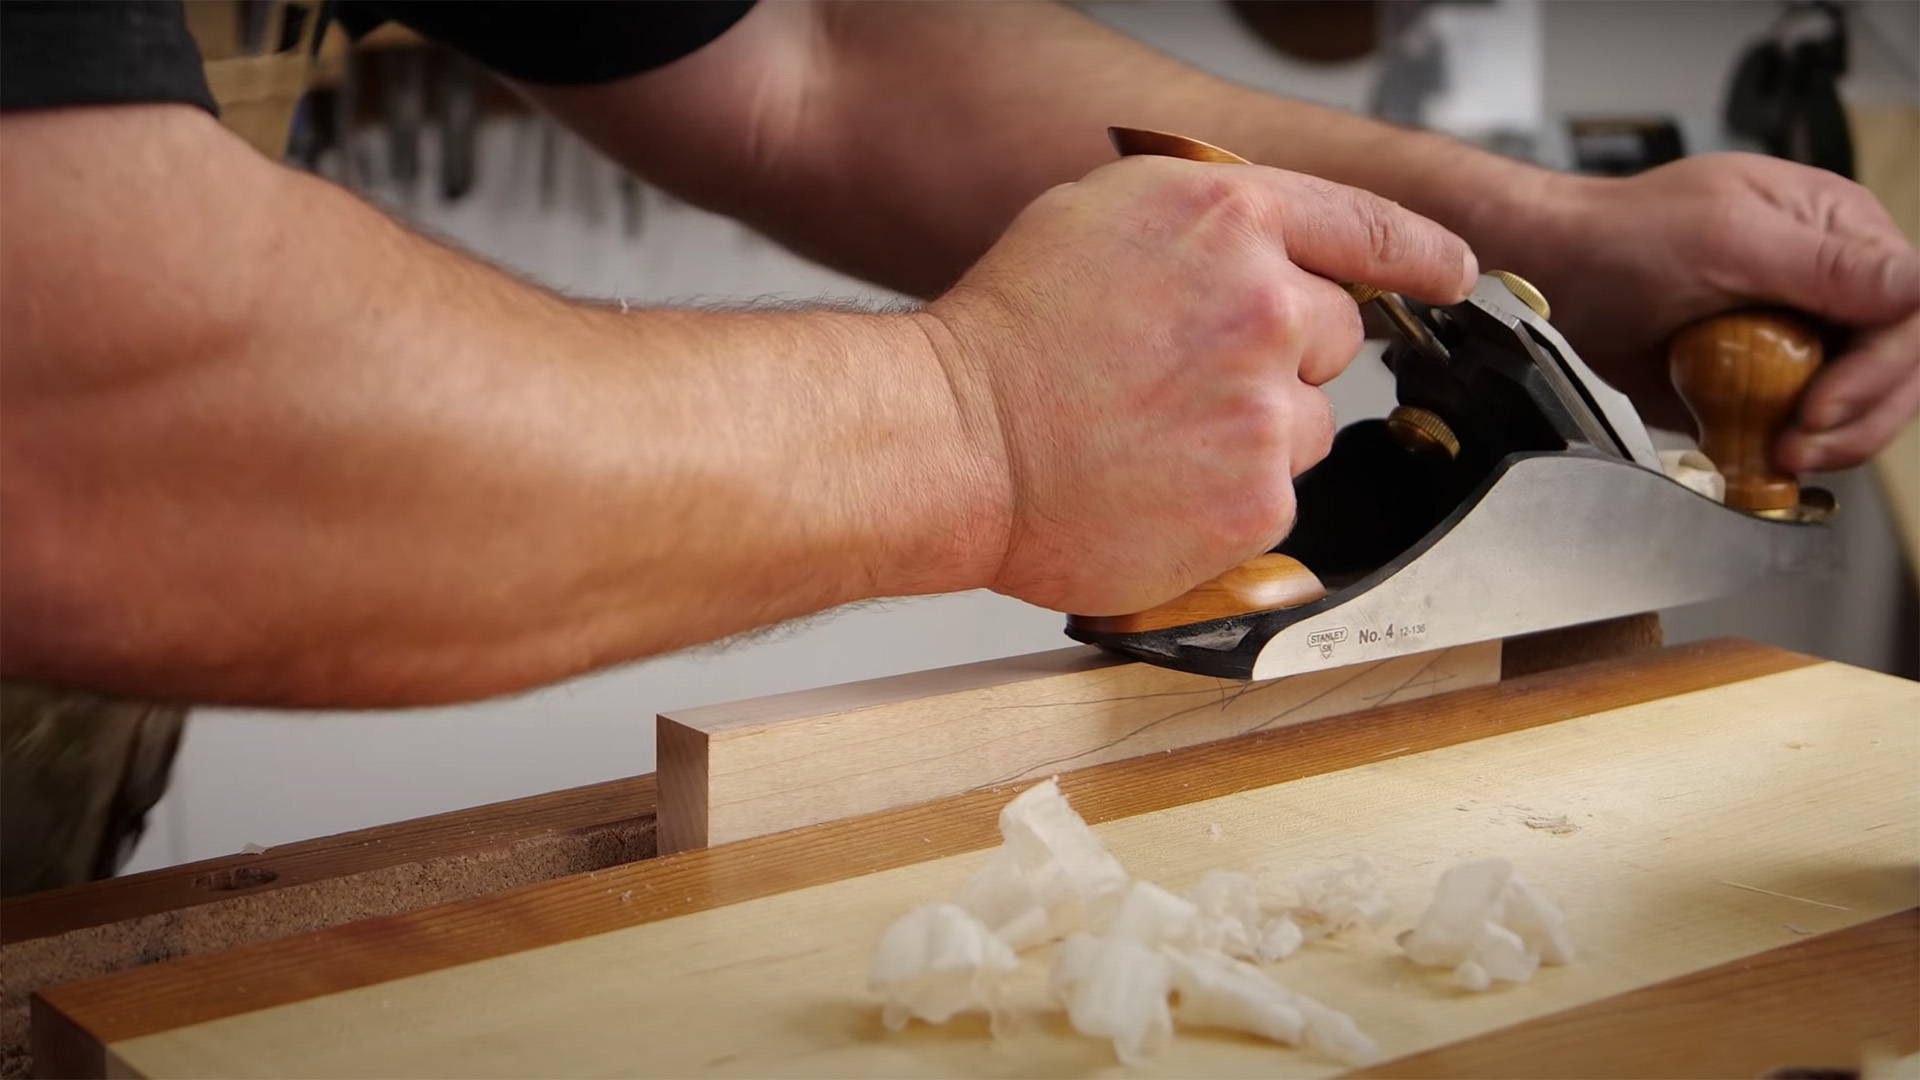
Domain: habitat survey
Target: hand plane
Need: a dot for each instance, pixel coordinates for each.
(1511, 490)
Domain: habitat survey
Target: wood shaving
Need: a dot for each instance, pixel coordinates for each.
(1488, 926)
(1049, 878)
(1336, 899)
(1135, 958)
(1558, 826)
(934, 962)
(1131, 949)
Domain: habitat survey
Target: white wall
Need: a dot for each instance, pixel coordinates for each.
(247, 776)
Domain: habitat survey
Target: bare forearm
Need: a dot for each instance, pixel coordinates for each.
(1024, 94)
(392, 474)
(897, 140)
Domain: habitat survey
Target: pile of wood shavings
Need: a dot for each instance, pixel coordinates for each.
(1134, 958)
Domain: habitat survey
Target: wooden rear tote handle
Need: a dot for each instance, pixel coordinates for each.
(1259, 584)
(1741, 375)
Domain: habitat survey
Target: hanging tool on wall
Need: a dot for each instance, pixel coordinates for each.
(1785, 88)
(403, 78)
(457, 109)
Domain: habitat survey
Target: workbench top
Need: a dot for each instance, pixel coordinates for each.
(1738, 862)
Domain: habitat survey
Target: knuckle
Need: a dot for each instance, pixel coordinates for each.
(1126, 170)
(1221, 197)
(1385, 239)
(1354, 335)
(1312, 422)
(1726, 225)
(1063, 198)
(1835, 261)
(1260, 423)
(1345, 337)
(1283, 512)
(1336, 335)
(1239, 517)
(1201, 194)
(1257, 514)
(1272, 311)
(1847, 264)
(1273, 512)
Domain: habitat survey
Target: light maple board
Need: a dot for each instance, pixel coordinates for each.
(1711, 825)
(742, 769)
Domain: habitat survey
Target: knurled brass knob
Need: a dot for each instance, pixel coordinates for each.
(1523, 290)
(1422, 431)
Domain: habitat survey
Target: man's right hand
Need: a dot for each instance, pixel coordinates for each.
(1141, 353)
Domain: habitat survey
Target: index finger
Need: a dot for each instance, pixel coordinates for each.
(1348, 234)
(1858, 281)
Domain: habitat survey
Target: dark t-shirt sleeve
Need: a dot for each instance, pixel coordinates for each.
(557, 42)
(97, 52)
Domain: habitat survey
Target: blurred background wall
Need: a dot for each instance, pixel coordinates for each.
(546, 206)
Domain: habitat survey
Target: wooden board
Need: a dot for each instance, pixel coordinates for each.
(744, 769)
(73, 1022)
(87, 930)
(589, 809)
(1797, 782)
(1816, 1004)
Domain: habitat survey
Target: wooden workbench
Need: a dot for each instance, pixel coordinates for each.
(1742, 873)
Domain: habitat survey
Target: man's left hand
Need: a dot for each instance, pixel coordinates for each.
(1637, 259)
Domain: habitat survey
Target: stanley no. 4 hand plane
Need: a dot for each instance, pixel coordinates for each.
(1511, 490)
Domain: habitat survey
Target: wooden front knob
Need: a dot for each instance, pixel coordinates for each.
(1261, 583)
(1741, 375)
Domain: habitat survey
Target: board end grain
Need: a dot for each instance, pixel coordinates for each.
(61, 1047)
(682, 753)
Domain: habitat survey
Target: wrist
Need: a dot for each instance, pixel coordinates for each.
(1516, 216)
(956, 476)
